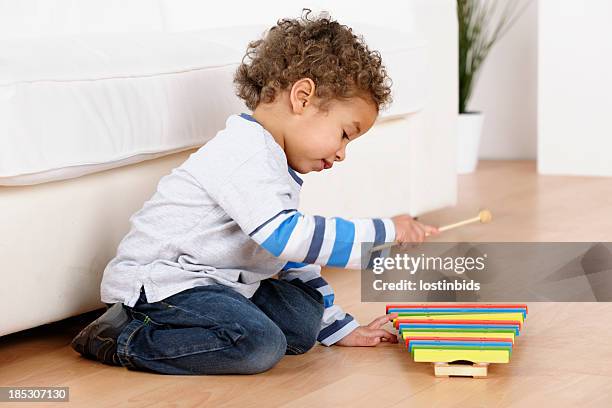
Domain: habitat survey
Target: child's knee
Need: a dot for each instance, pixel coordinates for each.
(305, 337)
(261, 352)
(301, 344)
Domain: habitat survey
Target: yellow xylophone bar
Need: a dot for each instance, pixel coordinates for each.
(447, 356)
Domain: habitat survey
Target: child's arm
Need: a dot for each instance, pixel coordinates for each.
(258, 196)
(335, 324)
(333, 241)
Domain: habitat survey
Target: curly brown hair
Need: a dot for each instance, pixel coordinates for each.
(339, 62)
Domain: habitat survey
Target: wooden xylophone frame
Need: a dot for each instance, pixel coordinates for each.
(467, 369)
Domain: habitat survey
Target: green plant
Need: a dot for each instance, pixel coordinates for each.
(481, 24)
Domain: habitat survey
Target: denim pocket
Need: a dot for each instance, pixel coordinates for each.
(184, 342)
(188, 333)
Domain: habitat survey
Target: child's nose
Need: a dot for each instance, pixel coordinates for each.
(340, 154)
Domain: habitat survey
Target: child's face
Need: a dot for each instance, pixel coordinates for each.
(315, 139)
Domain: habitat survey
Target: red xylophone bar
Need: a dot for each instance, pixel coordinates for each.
(459, 306)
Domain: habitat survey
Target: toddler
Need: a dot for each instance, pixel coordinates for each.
(220, 273)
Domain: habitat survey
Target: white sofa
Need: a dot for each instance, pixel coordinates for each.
(100, 99)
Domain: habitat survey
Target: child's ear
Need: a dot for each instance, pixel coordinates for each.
(301, 94)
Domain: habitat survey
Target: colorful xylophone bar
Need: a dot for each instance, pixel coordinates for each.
(446, 333)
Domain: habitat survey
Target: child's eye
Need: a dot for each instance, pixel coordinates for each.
(345, 136)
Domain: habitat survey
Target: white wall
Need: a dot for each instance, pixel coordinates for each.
(61, 17)
(195, 14)
(507, 92)
(575, 87)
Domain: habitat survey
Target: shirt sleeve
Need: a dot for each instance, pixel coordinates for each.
(335, 324)
(332, 241)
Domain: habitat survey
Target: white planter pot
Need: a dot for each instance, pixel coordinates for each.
(469, 129)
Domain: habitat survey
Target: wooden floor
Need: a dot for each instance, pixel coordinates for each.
(562, 359)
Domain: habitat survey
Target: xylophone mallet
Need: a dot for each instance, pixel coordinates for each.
(484, 216)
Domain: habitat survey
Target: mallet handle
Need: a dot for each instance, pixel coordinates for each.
(459, 224)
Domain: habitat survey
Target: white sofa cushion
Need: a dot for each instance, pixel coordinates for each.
(78, 104)
(73, 105)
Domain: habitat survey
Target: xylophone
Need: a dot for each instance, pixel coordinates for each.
(460, 339)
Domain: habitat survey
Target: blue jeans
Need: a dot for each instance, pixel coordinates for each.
(215, 330)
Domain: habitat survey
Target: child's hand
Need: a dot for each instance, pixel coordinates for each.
(370, 335)
(407, 229)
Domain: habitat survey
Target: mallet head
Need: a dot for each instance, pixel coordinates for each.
(485, 216)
